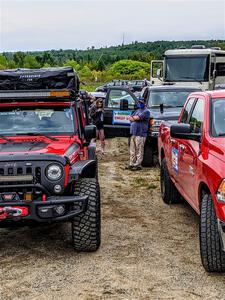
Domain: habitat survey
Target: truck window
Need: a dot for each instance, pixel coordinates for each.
(218, 117)
(197, 116)
(116, 95)
(187, 110)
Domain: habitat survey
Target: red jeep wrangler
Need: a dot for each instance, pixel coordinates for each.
(48, 167)
(192, 156)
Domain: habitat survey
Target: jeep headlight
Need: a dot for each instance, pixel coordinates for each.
(54, 172)
(221, 192)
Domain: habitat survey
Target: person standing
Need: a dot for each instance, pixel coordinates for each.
(138, 130)
(97, 116)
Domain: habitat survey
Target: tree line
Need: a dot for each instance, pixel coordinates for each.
(123, 61)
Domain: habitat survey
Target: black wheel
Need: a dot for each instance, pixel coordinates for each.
(86, 228)
(148, 158)
(212, 255)
(169, 192)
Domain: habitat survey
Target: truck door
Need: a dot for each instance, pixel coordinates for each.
(189, 152)
(119, 104)
(174, 156)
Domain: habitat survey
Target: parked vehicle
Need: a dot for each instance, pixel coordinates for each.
(191, 155)
(48, 167)
(164, 102)
(138, 85)
(198, 66)
(104, 88)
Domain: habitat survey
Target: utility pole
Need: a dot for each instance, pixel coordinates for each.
(123, 39)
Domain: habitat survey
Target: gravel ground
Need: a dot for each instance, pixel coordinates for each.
(149, 250)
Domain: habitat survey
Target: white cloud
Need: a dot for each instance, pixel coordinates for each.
(38, 24)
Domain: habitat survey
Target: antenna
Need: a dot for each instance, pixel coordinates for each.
(123, 39)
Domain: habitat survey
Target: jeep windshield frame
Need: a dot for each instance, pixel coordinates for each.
(46, 120)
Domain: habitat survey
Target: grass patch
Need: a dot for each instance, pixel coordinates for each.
(152, 186)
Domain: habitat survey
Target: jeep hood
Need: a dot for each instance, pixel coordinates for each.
(217, 148)
(39, 145)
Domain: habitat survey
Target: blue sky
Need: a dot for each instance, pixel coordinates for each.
(55, 24)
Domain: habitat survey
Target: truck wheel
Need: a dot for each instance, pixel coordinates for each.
(212, 255)
(169, 192)
(86, 228)
(148, 158)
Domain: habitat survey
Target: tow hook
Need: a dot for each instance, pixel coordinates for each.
(11, 212)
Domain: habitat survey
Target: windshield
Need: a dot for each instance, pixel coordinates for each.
(218, 117)
(40, 121)
(187, 68)
(168, 98)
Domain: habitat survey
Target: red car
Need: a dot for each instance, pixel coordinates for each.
(192, 158)
(48, 167)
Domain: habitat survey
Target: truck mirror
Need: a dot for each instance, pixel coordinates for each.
(124, 104)
(183, 131)
(89, 132)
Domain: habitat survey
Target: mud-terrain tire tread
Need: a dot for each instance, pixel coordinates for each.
(86, 227)
(212, 255)
(171, 194)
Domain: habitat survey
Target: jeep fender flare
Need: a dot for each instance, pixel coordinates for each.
(83, 169)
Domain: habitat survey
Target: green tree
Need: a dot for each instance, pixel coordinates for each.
(30, 62)
(130, 67)
(18, 58)
(3, 62)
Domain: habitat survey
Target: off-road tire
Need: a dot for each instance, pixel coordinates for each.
(169, 192)
(148, 158)
(86, 227)
(212, 255)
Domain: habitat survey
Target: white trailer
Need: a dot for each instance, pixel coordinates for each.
(199, 66)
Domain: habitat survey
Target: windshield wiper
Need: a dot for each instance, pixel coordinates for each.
(38, 134)
(5, 138)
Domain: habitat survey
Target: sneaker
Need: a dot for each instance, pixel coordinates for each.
(136, 168)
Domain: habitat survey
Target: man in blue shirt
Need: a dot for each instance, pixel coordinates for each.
(138, 130)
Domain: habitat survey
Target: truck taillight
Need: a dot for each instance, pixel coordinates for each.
(221, 192)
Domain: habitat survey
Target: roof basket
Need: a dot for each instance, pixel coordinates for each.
(198, 47)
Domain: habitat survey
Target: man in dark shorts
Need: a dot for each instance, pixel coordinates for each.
(97, 116)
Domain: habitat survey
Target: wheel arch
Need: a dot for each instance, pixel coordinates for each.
(202, 190)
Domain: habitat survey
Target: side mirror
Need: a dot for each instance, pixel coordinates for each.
(124, 104)
(183, 131)
(89, 132)
(159, 73)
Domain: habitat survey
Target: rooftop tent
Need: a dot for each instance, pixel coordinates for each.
(39, 79)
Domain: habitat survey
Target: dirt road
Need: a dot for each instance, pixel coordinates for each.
(149, 250)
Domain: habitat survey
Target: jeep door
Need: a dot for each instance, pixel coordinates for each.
(189, 152)
(116, 116)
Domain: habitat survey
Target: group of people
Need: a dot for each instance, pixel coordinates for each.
(138, 129)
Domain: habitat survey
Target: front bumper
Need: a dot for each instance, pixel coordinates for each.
(221, 229)
(74, 205)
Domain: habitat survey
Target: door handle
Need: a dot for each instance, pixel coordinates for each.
(182, 147)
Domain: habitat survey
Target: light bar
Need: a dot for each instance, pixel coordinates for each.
(36, 94)
(13, 178)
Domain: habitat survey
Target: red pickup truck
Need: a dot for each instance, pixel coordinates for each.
(192, 160)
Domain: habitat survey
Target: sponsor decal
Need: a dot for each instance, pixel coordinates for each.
(121, 117)
(175, 160)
